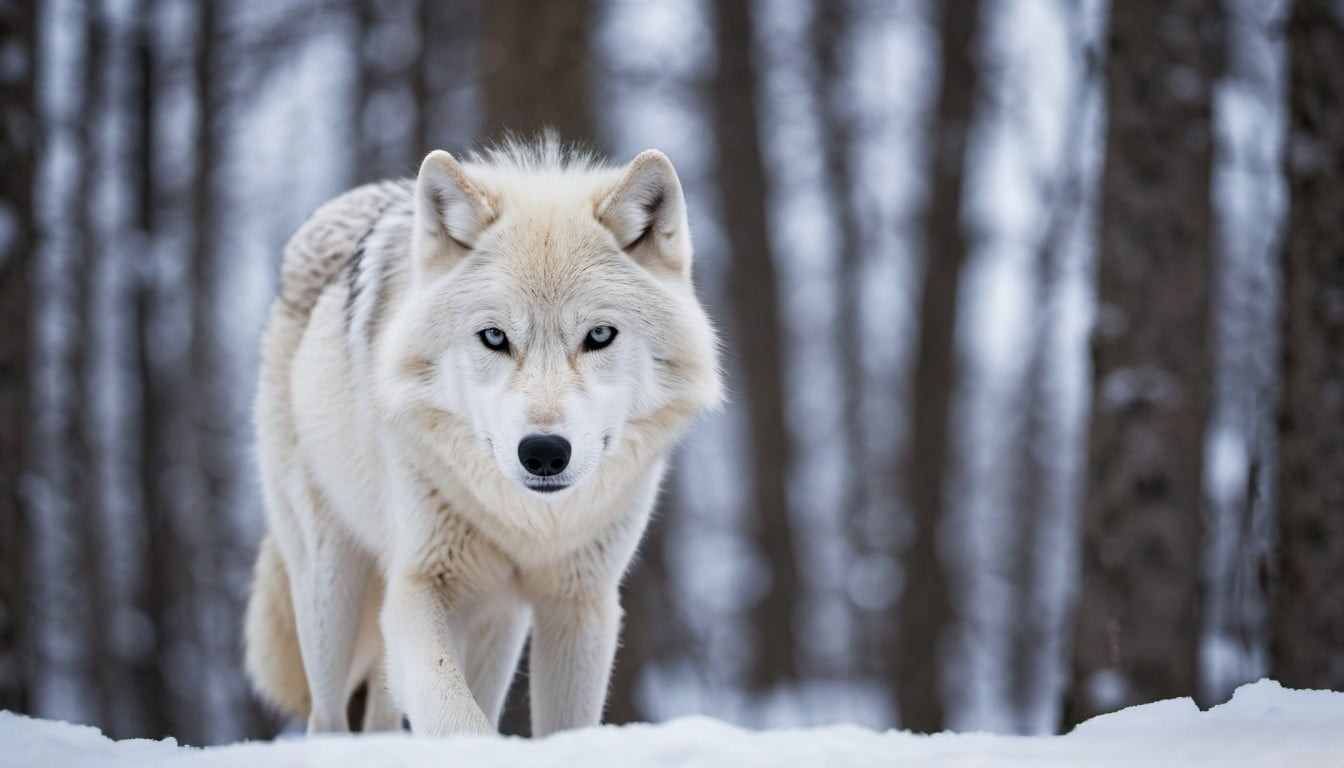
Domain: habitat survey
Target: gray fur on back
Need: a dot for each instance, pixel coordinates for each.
(324, 246)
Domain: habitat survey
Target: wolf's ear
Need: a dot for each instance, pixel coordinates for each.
(450, 212)
(646, 211)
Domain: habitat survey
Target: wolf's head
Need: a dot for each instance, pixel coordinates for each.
(552, 307)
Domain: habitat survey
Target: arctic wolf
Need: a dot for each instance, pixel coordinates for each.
(469, 388)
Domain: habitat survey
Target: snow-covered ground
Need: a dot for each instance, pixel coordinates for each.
(1263, 725)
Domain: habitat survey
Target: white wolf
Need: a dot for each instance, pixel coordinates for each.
(469, 388)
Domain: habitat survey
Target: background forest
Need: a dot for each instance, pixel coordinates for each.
(1033, 315)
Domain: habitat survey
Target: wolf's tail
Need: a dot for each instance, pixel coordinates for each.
(272, 655)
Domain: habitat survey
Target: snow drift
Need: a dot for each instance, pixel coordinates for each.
(1264, 724)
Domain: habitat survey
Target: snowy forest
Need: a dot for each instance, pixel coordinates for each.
(1032, 314)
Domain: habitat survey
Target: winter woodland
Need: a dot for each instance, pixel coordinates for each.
(1032, 313)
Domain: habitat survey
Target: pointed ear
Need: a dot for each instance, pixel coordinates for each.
(450, 212)
(646, 211)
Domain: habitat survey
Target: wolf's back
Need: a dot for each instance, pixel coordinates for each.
(314, 258)
(326, 242)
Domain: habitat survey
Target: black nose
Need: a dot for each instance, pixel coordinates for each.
(544, 455)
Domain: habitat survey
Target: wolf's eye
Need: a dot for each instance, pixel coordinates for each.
(493, 338)
(598, 338)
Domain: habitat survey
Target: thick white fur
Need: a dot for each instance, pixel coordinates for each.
(401, 530)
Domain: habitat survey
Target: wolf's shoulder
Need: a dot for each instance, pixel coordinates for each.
(325, 243)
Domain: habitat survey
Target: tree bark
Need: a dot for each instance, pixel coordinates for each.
(204, 403)
(755, 325)
(926, 609)
(534, 68)
(164, 573)
(87, 491)
(19, 136)
(1138, 616)
(1307, 644)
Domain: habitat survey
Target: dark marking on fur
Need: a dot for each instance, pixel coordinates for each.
(356, 267)
(353, 286)
(377, 280)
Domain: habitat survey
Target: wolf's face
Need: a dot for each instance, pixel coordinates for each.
(557, 311)
(551, 351)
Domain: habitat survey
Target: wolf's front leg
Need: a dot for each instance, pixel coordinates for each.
(424, 671)
(573, 644)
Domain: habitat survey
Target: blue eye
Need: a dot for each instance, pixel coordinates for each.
(493, 338)
(598, 338)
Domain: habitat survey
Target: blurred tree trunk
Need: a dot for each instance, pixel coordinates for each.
(1138, 615)
(534, 67)
(1307, 646)
(1035, 458)
(204, 271)
(926, 610)
(365, 146)
(386, 79)
(163, 571)
(652, 631)
(430, 17)
(752, 292)
(218, 613)
(446, 26)
(203, 268)
(19, 136)
(165, 568)
(830, 30)
(87, 491)
(445, 77)
(205, 402)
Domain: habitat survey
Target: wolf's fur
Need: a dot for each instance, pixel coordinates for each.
(402, 526)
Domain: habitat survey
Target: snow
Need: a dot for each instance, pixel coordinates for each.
(1263, 724)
